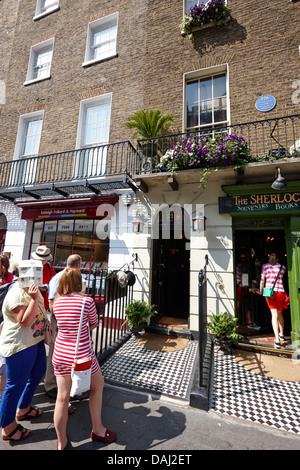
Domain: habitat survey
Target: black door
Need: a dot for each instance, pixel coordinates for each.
(170, 279)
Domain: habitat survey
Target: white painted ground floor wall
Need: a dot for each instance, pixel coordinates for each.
(216, 242)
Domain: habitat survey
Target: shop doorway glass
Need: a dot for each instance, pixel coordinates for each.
(251, 250)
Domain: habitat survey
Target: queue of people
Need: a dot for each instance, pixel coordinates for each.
(26, 314)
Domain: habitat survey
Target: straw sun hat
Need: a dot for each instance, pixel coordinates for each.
(42, 252)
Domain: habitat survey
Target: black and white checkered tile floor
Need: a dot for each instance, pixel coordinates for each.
(241, 393)
(165, 373)
(235, 390)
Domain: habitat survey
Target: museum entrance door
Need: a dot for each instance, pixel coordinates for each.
(251, 249)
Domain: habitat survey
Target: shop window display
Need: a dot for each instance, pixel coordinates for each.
(65, 237)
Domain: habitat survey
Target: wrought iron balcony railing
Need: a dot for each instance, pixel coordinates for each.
(267, 140)
(75, 167)
(109, 166)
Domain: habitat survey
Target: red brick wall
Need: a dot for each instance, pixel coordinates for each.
(260, 44)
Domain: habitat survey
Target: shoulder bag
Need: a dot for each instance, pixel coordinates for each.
(269, 291)
(82, 368)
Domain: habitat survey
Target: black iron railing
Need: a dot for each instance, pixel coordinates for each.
(267, 139)
(111, 301)
(74, 165)
(202, 319)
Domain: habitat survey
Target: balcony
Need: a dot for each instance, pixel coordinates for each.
(262, 141)
(72, 173)
(112, 167)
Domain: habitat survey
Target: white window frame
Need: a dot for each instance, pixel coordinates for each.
(186, 7)
(39, 6)
(34, 51)
(96, 160)
(200, 74)
(94, 27)
(24, 174)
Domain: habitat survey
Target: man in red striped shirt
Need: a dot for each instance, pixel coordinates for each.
(280, 301)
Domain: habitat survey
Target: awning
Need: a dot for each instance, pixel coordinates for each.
(74, 189)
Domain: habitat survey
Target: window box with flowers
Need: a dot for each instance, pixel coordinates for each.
(207, 153)
(213, 13)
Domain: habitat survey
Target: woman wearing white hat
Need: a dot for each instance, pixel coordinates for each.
(43, 254)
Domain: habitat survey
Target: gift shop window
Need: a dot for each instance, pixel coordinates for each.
(65, 237)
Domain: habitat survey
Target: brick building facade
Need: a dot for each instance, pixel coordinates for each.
(260, 46)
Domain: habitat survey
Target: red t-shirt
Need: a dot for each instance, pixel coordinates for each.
(48, 273)
(10, 278)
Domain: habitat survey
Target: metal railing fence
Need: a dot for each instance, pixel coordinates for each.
(111, 301)
(266, 139)
(202, 319)
(69, 166)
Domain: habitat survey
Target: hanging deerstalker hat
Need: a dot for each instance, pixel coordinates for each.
(122, 278)
(131, 277)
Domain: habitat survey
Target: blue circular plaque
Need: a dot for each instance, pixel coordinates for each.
(265, 103)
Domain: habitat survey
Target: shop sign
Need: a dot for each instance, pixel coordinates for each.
(259, 202)
(265, 103)
(56, 213)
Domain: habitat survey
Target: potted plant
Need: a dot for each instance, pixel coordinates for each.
(148, 124)
(136, 313)
(224, 327)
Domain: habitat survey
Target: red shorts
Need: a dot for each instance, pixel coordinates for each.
(280, 301)
(239, 293)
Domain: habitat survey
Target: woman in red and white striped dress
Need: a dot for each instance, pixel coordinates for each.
(67, 311)
(280, 301)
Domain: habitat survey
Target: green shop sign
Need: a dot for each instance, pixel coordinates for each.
(259, 202)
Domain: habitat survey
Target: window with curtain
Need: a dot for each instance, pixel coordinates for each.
(96, 124)
(42, 63)
(101, 39)
(206, 103)
(40, 60)
(104, 42)
(93, 135)
(32, 136)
